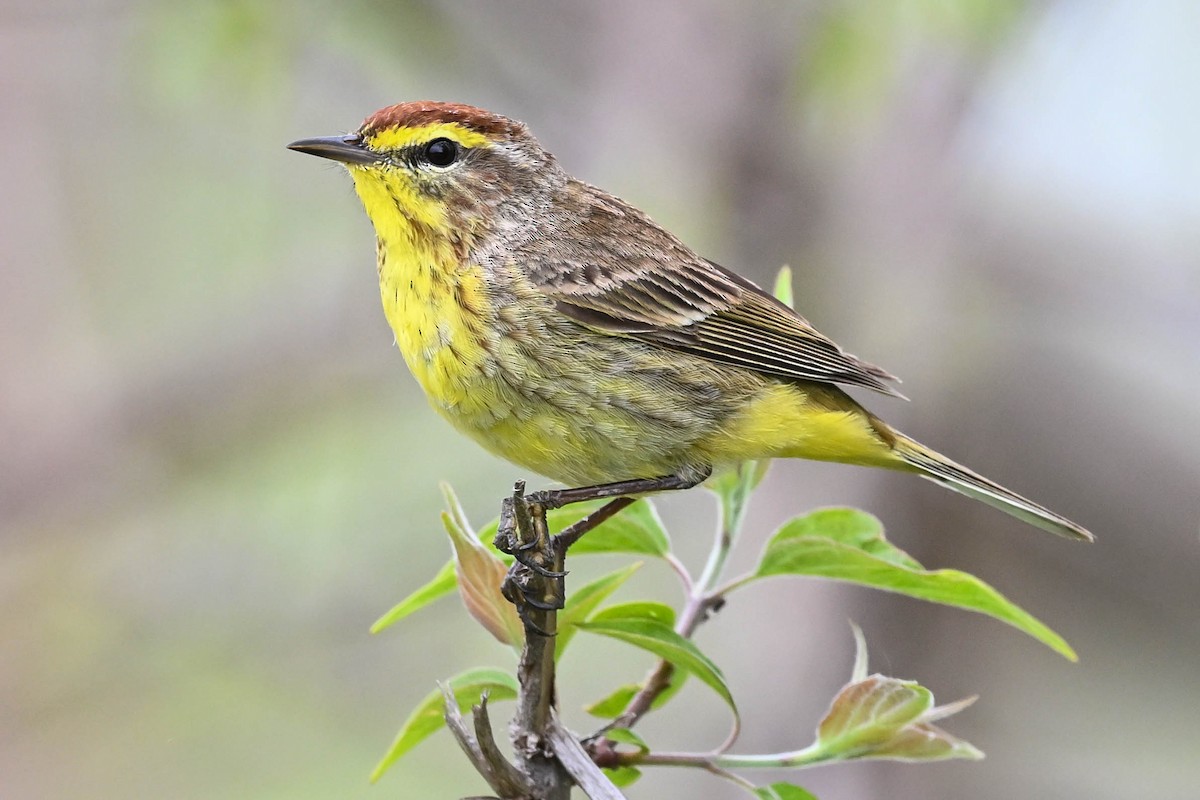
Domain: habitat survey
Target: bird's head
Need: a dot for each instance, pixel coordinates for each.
(445, 169)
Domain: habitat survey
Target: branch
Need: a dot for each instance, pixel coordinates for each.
(701, 595)
(509, 781)
(712, 761)
(550, 758)
(579, 763)
(482, 752)
(535, 672)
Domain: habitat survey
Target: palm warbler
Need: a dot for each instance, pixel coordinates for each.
(564, 330)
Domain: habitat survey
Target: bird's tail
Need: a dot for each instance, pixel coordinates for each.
(939, 469)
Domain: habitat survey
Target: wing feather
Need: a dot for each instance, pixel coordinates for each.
(624, 275)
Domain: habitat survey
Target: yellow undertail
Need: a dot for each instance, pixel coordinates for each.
(796, 420)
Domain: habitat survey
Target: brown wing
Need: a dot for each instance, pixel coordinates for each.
(654, 289)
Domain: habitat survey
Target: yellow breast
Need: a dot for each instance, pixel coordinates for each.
(435, 305)
(437, 312)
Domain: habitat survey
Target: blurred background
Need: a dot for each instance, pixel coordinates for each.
(215, 471)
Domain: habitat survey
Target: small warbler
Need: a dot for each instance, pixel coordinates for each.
(564, 330)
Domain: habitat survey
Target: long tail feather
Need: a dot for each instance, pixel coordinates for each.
(942, 470)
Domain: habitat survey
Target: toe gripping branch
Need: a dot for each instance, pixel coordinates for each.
(535, 583)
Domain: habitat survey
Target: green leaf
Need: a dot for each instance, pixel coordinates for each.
(615, 703)
(733, 488)
(638, 609)
(611, 706)
(626, 736)
(636, 529)
(783, 287)
(872, 717)
(888, 718)
(480, 574)
(427, 717)
(660, 639)
(924, 742)
(783, 791)
(848, 545)
(458, 517)
(848, 526)
(622, 776)
(584, 600)
(868, 713)
(442, 584)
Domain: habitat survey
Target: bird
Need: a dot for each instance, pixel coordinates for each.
(564, 330)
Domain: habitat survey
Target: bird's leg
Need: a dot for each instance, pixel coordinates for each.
(557, 498)
(575, 531)
(523, 534)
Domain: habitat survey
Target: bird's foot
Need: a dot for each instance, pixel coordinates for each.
(534, 583)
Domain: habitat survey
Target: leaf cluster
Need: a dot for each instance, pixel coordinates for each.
(873, 716)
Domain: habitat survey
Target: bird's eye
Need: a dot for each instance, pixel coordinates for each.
(441, 152)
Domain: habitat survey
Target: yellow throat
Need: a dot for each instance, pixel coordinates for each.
(433, 302)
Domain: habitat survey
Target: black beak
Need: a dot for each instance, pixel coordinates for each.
(347, 149)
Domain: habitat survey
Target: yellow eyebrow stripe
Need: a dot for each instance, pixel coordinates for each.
(403, 136)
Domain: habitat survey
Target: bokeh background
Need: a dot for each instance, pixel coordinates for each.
(215, 472)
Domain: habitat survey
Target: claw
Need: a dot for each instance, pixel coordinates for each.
(523, 534)
(546, 498)
(524, 560)
(519, 582)
(532, 626)
(549, 573)
(543, 571)
(517, 590)
(517, 593)
(542, 605)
